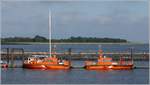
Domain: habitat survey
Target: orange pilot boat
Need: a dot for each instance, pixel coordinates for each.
(46, 63)
(106, 63)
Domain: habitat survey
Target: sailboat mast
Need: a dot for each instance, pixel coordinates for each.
(50, 32)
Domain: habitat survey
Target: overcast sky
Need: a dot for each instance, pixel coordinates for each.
(114, 19)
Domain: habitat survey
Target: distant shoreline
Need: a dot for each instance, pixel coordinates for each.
(32, 43)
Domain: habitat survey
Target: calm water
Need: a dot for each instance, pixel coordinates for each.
(77, 76)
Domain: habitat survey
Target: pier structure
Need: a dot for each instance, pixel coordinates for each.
(12, 54)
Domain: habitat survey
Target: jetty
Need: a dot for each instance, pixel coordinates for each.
(12, 54)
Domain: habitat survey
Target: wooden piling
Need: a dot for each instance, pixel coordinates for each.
(12, 58)
(7, 55)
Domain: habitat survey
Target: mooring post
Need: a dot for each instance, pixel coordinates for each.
(131, 49)
(69, 52)
(12, 57)
(22, 55)
(7, 55)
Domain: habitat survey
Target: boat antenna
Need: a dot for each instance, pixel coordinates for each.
(54, 49)
(100, 46)
(100, 52)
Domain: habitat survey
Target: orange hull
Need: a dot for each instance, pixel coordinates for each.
(34, 66)
(41, 66)
(58, 67)
(107, 67)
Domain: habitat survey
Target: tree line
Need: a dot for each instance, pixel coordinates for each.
(38, 38)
